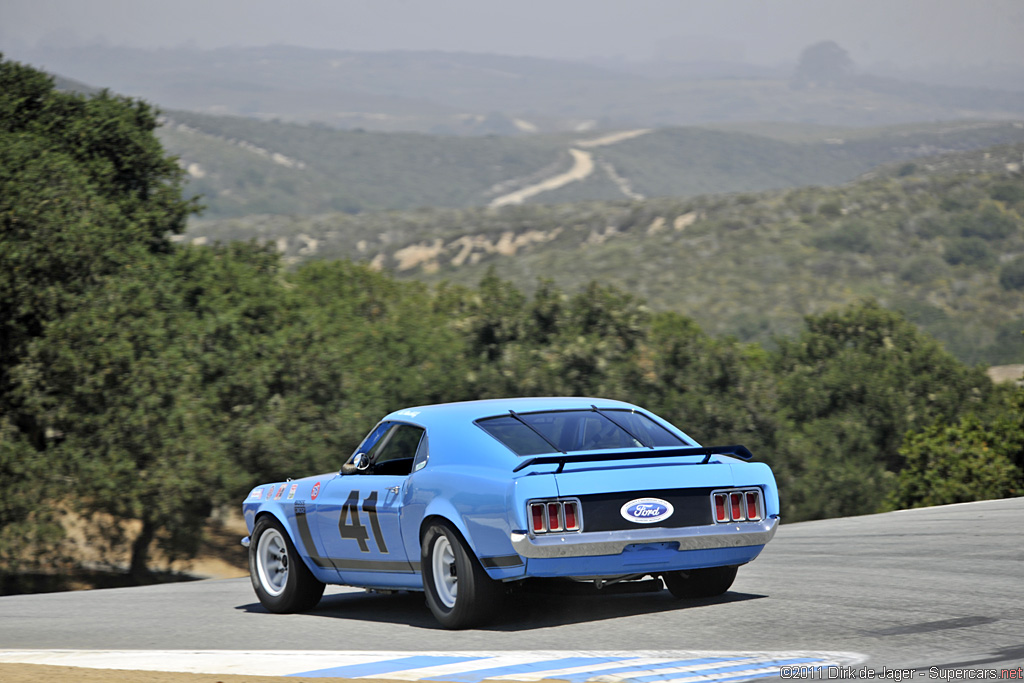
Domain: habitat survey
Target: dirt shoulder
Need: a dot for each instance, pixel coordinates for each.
(92, 561)
(42, 673)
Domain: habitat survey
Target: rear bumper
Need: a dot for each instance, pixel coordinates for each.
(710, 537)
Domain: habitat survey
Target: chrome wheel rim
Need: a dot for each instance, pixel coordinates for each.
(446, 582)
(272, 562)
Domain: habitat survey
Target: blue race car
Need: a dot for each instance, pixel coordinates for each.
(465, 501)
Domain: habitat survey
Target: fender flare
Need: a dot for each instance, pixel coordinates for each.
(443, 509)
(275, 512)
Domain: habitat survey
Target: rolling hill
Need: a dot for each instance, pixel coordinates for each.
(243, 166)
(940, 238)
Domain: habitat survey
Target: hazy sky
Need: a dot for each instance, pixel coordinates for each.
(905, 32)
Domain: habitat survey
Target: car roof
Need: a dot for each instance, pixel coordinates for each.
(467, 411)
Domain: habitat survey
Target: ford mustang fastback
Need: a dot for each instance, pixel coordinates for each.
(466, 501)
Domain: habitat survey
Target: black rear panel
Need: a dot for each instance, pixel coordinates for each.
(692, 507)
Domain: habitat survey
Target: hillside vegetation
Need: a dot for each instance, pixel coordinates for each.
(243, 166)
(940, 239)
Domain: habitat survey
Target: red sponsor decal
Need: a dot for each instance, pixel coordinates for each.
(316, 491)
(257, 494)
(279, 492)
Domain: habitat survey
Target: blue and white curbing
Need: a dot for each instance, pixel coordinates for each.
(666, 666)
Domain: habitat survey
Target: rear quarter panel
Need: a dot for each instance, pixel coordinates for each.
(757, 474)
(468, 481)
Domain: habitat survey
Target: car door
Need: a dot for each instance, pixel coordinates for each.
(359, 513)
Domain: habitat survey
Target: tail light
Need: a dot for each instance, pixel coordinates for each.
(537, 517)
(554, 516)
(572, 518)
(550, 516)
(721, 513)
(753, 507)
(737, 505)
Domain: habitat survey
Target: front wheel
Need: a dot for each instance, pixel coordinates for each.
(458, 590)
(700, 583)
(282, 581)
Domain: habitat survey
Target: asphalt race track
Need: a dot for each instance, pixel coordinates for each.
(936, 587)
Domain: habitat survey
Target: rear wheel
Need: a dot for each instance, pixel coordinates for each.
(282, 581)
(700, 583)
(458, 590)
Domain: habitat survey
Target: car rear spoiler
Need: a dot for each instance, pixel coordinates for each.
(562, 458)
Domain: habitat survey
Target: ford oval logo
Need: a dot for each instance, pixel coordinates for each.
(647, 510)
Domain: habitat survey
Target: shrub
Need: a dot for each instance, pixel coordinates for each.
(990, 223)
(1011, 275)
(906, 169)
(831, 209)
(921, 269)
(851, 237)
(1011, 193)
(969, 251)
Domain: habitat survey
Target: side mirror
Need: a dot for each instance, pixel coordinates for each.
(357, 464)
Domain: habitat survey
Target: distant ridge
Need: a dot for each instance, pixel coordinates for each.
(477, 94)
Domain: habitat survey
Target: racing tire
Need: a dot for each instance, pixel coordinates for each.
(458, 590)
(700, 583)
(282, 581)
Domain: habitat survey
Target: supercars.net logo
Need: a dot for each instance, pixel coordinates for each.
(838, 673)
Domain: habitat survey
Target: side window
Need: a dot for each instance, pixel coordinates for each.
(394, 453)
(422, 454)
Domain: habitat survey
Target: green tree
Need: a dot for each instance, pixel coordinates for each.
(496, 318)
(119, 384)
(84, 186)
(718, 390)
(971, 459)
(87, 201)
(338, 347)
(850, 387)
(59, 239)
(110, 138)
(29, 528)
(597, 345)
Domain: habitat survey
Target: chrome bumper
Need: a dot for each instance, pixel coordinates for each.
(245, 541)
(733, 535)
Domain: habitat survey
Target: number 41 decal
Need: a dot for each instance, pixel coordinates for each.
(354, 529)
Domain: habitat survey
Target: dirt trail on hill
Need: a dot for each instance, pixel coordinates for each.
(613, 138)
(582, 168)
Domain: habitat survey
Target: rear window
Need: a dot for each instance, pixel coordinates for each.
(578, 430)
